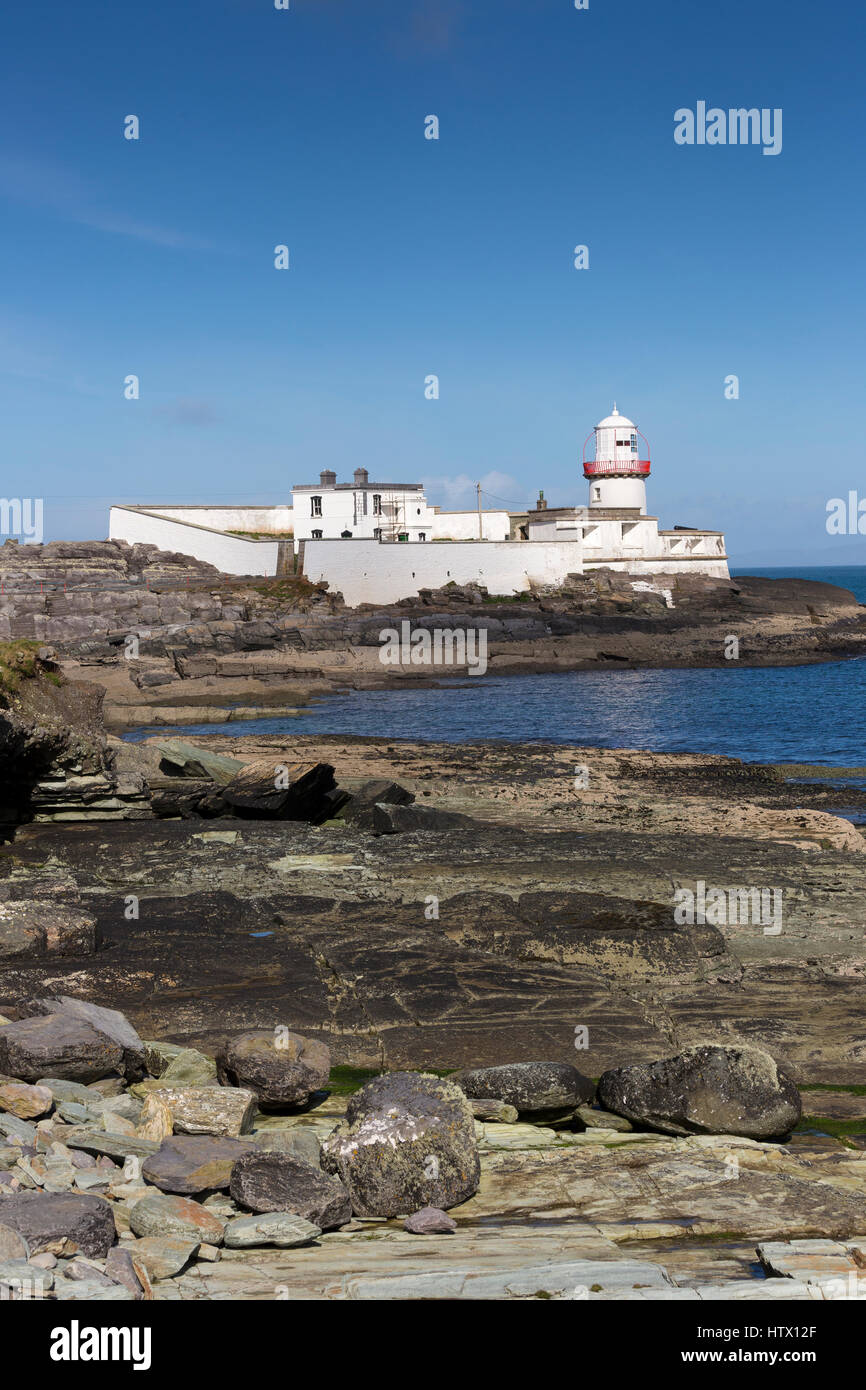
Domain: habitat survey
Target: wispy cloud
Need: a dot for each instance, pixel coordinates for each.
(189, 412)
(63, 192)
(497, 490)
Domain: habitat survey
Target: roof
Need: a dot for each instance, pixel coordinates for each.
(615, 419)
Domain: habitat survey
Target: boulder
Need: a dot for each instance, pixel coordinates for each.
(387, 819)
(190, 1163)
(280, 1228)
(267, 1180)
(59, 1044)
(63, 1223)
(706, 1089)
(362, 803)
(110, 1023)
(27, 1102)
(538, 1088)
(430, 1221)
(275, 787)
(408, 1142)
(227, 1110)
(283, 1069)
(160, 1214)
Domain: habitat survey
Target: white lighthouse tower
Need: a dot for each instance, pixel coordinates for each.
(616, 474)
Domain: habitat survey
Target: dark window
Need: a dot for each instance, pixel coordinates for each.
(316, 535)
(422, 535)
(315, 506)
(345, 535)
(377, 504)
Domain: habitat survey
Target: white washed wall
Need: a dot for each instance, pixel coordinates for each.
(367, 572)
(463, 526)
(231, 518)
(230, 554)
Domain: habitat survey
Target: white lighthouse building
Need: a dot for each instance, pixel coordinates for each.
(360, 537)
(614, 530)
(616, 473)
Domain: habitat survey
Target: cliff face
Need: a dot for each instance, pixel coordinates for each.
(53, 749)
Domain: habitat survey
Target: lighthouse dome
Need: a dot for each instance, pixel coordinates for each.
(615, 421)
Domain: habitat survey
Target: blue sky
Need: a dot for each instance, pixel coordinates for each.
(411, 257)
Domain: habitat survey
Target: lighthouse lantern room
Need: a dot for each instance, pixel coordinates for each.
(617, 471)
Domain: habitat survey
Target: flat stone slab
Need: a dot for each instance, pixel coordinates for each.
(573, 1279)
(281, 1228)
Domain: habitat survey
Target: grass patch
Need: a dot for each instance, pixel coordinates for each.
(18, 663)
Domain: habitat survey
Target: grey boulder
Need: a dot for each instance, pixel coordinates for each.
(269, 1180)
(538, 1088)
(283, 1069)
(706, 1089)
(408, 1142)
(63, 1223)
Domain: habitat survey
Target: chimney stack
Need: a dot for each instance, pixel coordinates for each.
(541, 505)
(361, 477)
(327, 478)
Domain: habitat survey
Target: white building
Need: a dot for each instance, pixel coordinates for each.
(365, 538)
(613, 530)
(400, 512)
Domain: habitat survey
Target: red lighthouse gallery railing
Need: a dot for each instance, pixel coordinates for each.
(632, 467)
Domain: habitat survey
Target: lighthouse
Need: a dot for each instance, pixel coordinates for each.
(617, 471)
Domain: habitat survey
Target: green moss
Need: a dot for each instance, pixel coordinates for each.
(344, 1081)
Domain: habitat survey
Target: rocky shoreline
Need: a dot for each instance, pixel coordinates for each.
(642, 1098)
(171, 641)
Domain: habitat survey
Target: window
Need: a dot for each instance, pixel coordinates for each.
(417, 511)
(315, 506)
(377, 504)
(422, 535)
(377, 534)
(345, 535)
(316, 535)
(596, 494)
(634, 443)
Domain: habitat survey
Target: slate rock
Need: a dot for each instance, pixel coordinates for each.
(191, 1163)
(109, 1022)
(408, 1142)
(160, 1214)
(531, 1087)
(227, 1110)
(395, 820)
(280, 1228)
(13, 1246)
(283, 1069)
(63, 1223)
(362, 803)
(706, 1089)
(120, 1268)
(61, 1044)
(25, 1102)
(163, 1256)
(268, 1180)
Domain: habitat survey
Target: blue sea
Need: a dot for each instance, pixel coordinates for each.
(795, 714)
